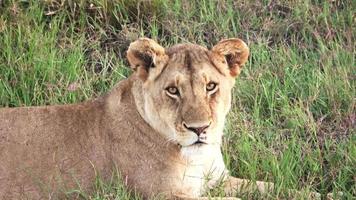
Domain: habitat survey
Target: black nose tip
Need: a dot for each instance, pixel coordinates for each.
(196, 130)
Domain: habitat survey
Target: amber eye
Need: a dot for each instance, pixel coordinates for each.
(211, 86)
(172, 91)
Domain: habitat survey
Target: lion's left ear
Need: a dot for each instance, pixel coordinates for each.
(233, 52)
(146, 57)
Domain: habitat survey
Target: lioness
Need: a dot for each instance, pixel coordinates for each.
(161, 128)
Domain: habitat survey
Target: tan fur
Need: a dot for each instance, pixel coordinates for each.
(137, 128)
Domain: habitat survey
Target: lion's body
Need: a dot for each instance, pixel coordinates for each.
(46, 151)
(143, 128)
(41, 145)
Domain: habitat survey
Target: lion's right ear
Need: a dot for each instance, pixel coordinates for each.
(233, 52)
(146, 57)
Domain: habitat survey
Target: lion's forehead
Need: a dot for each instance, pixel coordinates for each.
(198, 74)
(190, 59)
(188, 54)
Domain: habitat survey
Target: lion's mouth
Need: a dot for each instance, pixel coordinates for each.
(199, 142)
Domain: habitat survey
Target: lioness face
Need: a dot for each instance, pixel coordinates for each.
(187, 88)
(190, 98)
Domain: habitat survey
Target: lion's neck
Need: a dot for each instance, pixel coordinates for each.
(148, 112)
(126, 112)
(137, 93)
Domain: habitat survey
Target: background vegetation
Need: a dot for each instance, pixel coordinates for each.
(293, 115)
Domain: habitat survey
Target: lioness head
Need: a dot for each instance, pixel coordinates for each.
(186, 89)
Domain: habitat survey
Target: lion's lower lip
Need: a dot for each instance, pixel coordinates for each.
(199, 142)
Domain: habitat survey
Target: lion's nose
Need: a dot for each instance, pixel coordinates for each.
(197, 129)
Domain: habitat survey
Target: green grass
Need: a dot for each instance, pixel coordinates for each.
(293, 115)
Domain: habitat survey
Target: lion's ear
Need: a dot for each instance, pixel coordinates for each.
(146, 56)
(233, 52)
